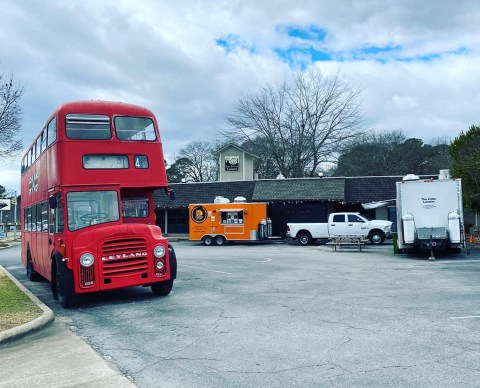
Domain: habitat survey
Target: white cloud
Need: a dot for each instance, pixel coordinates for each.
(164, 55)
(10, 177)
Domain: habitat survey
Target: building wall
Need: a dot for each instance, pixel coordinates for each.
(235, 165)
(177, 220)
(282, 212)
(381, 213)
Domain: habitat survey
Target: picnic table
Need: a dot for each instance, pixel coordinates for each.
(347, 242)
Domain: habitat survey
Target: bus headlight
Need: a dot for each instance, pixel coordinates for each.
(159, 264)
(87, 260)
(159, 251)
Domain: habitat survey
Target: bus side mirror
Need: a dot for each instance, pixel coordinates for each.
(52, 201)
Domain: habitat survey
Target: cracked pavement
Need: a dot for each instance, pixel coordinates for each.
(278, 315)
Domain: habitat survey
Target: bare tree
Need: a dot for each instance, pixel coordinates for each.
(302, 121)
(10, 117)
(203, 166)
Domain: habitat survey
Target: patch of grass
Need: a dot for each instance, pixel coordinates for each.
(16, 308)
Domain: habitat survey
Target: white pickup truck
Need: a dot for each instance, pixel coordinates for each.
(341, 225)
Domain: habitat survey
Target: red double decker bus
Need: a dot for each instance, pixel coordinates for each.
(88, 221)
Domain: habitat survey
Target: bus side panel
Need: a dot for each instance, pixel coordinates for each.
(52, 163)
(43, 253)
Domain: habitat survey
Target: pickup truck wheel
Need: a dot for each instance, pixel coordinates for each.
(304, 238)
(377, 237)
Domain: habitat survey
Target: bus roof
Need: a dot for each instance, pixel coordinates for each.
(103, 107)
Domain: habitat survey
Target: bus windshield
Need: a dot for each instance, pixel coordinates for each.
(86, 208)
(135, 128)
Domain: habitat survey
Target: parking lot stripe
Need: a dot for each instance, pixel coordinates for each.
(204, 269)
(466, 317)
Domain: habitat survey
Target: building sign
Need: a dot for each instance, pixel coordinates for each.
(232, 163)
(5, 204)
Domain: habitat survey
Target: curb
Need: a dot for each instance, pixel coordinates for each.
(38, 323)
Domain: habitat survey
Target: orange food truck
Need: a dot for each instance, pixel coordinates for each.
(217, 223)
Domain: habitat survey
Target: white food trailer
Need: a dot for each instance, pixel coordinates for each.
(430, 213)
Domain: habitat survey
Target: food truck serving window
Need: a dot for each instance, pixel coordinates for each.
(231, 216)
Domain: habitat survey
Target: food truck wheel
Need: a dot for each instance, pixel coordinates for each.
(162, 288)
(207, 240)
(220, 240)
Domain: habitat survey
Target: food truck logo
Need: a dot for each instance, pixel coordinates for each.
(199, 214)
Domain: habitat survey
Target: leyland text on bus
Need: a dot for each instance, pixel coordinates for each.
(88, 220)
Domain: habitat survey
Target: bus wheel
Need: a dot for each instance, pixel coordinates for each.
(31, 273)
(65, 301)
(220, 240)
(162, 288)
(207, 240)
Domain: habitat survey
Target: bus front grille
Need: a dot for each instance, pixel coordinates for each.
(87, 276)
(124, 257)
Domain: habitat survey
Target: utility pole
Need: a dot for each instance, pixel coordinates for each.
(14, 201)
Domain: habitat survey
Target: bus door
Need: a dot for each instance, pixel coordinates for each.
(55, 226)
(43, 249)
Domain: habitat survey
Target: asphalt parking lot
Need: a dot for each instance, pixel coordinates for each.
(286, 315)
(281, 315)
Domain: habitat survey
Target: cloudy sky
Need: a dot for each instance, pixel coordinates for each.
(417, 62)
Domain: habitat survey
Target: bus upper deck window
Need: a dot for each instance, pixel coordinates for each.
(135, 128)
(88, 127)
(52, 131)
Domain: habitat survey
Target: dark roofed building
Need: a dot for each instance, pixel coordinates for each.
(299, 189)
(235, 163)
(172, 215)
(203, 192)
(370, 189)
(290, 200)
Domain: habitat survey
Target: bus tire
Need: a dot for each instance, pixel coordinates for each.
(59, 286)
(207, 240)
(162, 288)
(32, 275)
(173, 262)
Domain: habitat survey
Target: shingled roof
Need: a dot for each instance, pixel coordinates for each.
(365, 189)
(370, 188)
(349, 189)
(203, 192)
(314, 189)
